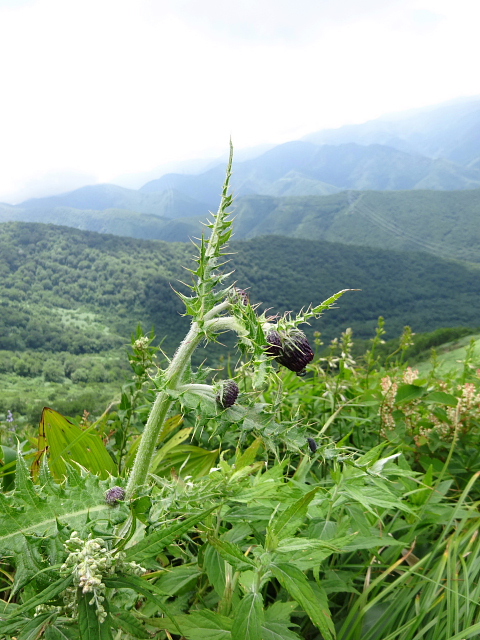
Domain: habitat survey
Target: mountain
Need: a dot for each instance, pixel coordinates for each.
(62, 289)
(446, 224)
(443, 223)
(108, 196)
(304, 168)
(450, 131)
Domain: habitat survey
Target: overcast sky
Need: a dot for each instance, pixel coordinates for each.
(95, 90)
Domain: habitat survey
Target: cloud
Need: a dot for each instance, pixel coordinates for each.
(287, 21)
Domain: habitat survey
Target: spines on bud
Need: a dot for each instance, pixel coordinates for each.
(228, 393)
(274, 340)
(296, 352)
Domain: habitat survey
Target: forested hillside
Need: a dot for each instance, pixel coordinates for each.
(445, 224)
(50, 275)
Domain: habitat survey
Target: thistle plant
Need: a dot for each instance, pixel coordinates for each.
(216, 308)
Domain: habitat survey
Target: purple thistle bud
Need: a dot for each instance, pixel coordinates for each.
(297, 352)
(228, 393)
(240, 295)
(275, 344)
(114, 495)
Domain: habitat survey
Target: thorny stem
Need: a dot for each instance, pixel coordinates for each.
(160, 407)
(174, 374)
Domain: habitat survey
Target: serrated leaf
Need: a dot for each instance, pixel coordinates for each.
(54, 632)
(215, 568)
(89, 625)
(35, 509)
(155, 542)
(278, 631)
(249, 618)
(178, 579)
(41, 598)
(150, 591)
(287, 523)
(295, 582)
(280, 611)
(233, 555)
(123, 619)
(199, 625)
(33, 628)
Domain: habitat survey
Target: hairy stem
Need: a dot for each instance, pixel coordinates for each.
(158, 413)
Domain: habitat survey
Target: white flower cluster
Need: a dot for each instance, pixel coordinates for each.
(141, 344)
(90, 561)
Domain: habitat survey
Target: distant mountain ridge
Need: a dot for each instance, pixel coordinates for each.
(450, 131)
(443, 223)
(295, 188)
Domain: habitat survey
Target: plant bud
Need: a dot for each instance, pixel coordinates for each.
(296, 353)
(228, 393)
(275, 344)
(114, 495)
(240, 295)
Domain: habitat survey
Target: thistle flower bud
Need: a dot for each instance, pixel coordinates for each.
(241, 296)
(228, 393)
(296, 353)
(113, 496)
(275, 344)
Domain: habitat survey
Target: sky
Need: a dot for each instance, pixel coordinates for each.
(95, 91)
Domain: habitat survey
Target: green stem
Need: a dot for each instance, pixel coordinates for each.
(158, 413)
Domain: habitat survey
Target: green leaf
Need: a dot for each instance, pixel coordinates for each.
(174, 441)
(247, 624)
(280, 611)
(66, 441)
(278, 631)
(409, 392)
(215, 567)
(233, 555)
(155, 542)
(54, 632)
(249, 455)
(200, 625)
(193, 461)
(178, 579)
(123, 619)
(41, 598)
(33, 628)
(440, 397)
(89, 625)
(297, 585)
(285, 524)
(38, 509)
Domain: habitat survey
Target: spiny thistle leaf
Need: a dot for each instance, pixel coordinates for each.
(32, 509)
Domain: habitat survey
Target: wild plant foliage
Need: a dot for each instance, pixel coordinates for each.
(268, 504)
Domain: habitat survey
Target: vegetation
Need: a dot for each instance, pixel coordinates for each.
(292, 499)
(444, 224)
